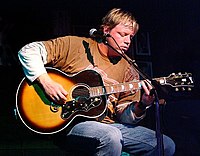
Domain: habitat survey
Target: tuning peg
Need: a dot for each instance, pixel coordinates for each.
(176, 89)
(189, 89)
(182, 83)
(179, 73)
(183, 89)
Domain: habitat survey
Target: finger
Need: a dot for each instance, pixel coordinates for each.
(148, 84)
(63, 91)
(62, 96)
(56, 97)
(152, 92)
(145, 88)
(53, 99)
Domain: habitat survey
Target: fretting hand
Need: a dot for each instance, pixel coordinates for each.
(147, 97)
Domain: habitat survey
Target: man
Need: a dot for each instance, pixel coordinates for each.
(116, 130)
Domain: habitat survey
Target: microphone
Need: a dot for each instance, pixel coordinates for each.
(99, 35)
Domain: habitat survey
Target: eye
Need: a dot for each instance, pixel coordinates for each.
(122, 34)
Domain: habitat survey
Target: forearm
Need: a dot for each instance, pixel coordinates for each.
(130, 113)
(140, 108)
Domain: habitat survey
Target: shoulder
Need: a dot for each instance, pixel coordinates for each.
(69, 41)
(70, 38)
(76, 38)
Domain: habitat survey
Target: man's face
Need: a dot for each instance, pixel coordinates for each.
(122, 34)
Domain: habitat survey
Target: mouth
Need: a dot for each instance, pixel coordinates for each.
(124, 49)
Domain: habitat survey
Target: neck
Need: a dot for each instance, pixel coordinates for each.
(103, 49)
(107, 51)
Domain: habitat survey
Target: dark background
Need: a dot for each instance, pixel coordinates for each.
(173, 27)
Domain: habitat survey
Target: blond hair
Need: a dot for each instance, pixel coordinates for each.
(117, 16)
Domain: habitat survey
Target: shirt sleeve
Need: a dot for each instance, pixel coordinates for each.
(33, 57)
(127, 113)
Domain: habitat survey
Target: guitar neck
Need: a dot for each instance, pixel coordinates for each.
(116, 88)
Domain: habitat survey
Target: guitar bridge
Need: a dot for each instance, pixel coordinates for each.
(79, 106)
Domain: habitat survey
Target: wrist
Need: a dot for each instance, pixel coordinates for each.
(43, 78)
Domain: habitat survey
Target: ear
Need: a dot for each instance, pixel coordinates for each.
(106, 30)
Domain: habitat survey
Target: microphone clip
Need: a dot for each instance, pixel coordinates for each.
(99, 36)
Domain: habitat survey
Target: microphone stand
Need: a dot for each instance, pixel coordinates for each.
(155, 84)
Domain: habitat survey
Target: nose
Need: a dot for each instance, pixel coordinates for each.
(127, 40)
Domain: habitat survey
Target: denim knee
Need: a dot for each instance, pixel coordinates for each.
(114, 137)
(112, 141)
(169, 146)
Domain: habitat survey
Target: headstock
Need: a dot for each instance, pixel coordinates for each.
(180, 81)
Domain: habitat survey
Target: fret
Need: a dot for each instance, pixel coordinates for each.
(96, 91)
(118, 88)
(112, 89)
(122, 87)
(92, 91)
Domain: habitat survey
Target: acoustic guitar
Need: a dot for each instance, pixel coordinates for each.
(86, 98)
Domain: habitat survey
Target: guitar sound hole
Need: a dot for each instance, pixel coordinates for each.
(81, 91)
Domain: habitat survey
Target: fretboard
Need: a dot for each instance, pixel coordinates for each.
(116, 88)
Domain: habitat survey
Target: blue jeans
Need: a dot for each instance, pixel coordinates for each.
(99, 139)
